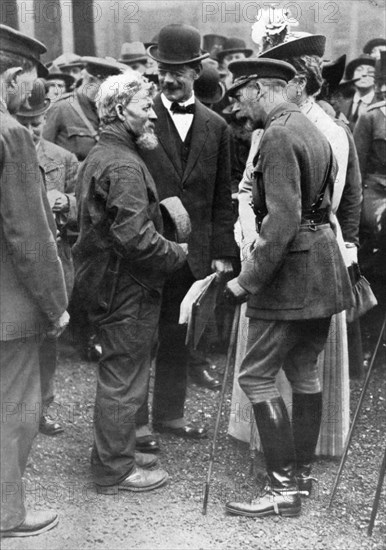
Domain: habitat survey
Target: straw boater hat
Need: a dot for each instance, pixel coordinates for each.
(234, 45)
(207, 87)
(178, 45)
(16, 42)
(363, 59)
(133, 52)
(371, 44)
(37, 103)
(246, 70)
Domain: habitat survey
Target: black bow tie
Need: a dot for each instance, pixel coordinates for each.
(181, 110)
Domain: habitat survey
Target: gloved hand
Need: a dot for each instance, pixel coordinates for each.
(235, 293)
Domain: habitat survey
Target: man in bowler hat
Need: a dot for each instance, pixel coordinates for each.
(192, 163)
(294, 248)
(33, 297)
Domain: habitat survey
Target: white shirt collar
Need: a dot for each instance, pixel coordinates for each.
(167, 104)
(367, 99)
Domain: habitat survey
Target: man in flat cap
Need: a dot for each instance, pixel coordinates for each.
(192, 163)
(292, 275)
(73, 123)
(33, 297)
(121, 260)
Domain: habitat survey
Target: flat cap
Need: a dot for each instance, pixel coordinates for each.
(18, 43)
(101, 67)
(249, 69)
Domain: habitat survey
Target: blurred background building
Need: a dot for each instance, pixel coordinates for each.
(99, 27)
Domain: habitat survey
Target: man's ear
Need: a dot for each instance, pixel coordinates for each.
(119, 112)
(198, 71)
(10, 76)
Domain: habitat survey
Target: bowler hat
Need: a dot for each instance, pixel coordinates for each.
(234, 45)
(133, 52)
(363, 59)
(371, 44)
(54, 73)
(208, 87)
(101, 67)
(297, 44)
(249, 69)
(333, 71)
(37, 103)
(153, 42)
(18, 43)
(177, 45)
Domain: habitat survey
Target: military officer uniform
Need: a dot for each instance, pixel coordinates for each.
(294, 276)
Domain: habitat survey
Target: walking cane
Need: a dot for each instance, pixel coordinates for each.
(357, 411)
(377, 495)
(231, 347)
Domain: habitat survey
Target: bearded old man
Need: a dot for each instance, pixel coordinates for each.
(121, 260)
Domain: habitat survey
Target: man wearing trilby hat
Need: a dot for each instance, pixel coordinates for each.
(33, 297)
(191, 162)
(295, 248)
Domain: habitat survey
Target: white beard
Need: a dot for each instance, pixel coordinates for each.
(148, 140)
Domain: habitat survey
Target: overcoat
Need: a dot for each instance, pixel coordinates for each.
(204, 186)
(120, 223)
(294, 269)
(32, 288)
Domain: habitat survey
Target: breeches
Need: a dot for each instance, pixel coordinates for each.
(291, 345)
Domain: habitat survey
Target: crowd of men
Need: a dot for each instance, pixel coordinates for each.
(119, 186)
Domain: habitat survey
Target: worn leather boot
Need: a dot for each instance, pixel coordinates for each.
(280, 495)
(306, 419)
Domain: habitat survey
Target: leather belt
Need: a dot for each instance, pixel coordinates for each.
(314, 226)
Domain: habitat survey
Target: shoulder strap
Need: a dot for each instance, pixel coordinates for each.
(320, 196)
(77, 107)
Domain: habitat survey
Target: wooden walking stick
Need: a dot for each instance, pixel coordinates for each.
(230, 353)
(357, 411)
(377, 495)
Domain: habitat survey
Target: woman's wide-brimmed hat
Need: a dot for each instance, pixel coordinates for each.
(363, 59)
(371, 44)
(207, 87)
(297, 44)
(37, 103)
(234, 45)
(178, 44)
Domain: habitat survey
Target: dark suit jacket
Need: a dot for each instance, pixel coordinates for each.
(204, 187)
(293, 272)
(120, 223)
(32, 290)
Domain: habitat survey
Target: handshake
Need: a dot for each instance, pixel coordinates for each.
(235, 293)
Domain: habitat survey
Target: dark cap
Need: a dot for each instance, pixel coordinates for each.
(363, 59)
(16, 42)
(297, 44)
(101, 67)
(250, 69)
(380, 68)
(37, 103)
(178, 45)
(54, 73)
(371, 44)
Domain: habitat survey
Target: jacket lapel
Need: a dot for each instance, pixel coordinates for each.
(200, 133)
(163, 133)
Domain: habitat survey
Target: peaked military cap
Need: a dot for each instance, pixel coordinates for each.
(18, 43)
